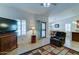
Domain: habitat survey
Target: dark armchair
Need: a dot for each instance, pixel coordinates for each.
(58, 39)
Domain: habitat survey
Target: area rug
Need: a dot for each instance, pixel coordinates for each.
(51, 50)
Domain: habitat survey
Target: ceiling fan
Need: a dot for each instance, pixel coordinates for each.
(48, 4)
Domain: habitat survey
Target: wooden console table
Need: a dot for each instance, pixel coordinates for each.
(8, 42)
(75, 36)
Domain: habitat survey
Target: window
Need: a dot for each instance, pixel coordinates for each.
(21, 27)
(43, 29)
(68, 27)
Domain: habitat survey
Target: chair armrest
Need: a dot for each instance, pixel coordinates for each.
(61, 38)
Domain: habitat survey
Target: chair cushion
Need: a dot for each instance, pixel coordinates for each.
(59, 34)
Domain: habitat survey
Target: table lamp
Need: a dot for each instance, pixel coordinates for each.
(33, 37)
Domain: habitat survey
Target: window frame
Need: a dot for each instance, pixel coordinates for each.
(43, 30)
(20, 28)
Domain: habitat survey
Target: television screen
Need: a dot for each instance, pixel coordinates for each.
(7, 25)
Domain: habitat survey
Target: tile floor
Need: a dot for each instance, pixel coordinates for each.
(25, 47)
(28, 46)
(52, 50)
(75, 45)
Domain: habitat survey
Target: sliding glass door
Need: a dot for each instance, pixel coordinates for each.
(41, 29)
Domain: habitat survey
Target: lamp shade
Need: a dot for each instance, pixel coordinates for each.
(33, 28)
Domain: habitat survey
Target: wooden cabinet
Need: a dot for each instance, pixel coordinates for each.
(75, 36)
(8, 42)
(33, 39)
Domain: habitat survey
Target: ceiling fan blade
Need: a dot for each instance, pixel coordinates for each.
(42, 4)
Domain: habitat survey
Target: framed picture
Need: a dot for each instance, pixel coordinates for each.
(77, 23)
(56, 25)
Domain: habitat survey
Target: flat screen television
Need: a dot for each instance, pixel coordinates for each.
(7, 25)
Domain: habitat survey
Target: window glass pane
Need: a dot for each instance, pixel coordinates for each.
(23, 27)
(43, 33)
(43, 25)
(18, 27)
(68, 27)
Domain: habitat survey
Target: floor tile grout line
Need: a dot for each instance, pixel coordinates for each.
(67, 52)
(60, 51)
(47, 51)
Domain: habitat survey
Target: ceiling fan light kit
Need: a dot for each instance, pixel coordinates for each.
(48, 4)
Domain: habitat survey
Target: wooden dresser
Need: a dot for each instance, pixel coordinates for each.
(75, 36)
(8, 42)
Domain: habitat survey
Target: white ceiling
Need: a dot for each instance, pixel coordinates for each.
(38, 9)
(64, 11)
(34, 8)
(60, 11)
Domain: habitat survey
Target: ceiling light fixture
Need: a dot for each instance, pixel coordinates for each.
(48, 4)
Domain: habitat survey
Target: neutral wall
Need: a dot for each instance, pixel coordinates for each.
(13, 13)
(70, 20)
